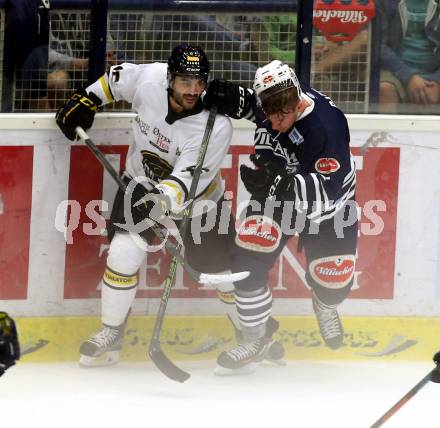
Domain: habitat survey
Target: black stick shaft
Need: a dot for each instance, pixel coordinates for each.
(157, 355)
(155, 352)
(413, 391)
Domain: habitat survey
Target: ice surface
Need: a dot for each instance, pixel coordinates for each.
(301, 394)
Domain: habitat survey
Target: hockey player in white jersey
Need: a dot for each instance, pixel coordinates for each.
(167, 133)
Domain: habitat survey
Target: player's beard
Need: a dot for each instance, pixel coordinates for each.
(186, 101)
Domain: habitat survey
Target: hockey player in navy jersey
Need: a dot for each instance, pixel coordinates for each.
(303, 183)
(167, 133)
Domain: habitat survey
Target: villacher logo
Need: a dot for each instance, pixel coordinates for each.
(259, 233)
(333, 272)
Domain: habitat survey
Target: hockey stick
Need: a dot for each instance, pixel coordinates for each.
(405, 398)
(202, 278)
(163, 363)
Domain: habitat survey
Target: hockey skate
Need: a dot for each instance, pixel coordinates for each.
(275, 350)
(329, 323)
(243, 359)
(102, 349)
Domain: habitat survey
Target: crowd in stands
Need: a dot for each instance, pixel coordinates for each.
(46, 69)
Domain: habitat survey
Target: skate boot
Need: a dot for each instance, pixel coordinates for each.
(274, 351)
(102, 348)
(243, 359)
(329, 323)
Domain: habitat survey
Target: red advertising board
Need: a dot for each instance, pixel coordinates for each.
(341, 20)
(15, 218)
(85, 257)
(377, 194)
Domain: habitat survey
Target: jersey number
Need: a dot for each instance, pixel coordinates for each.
(115, 73)
(330, 101)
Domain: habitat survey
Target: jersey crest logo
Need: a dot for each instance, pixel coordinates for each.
(327, 165)
(296, 137)
(155, 167)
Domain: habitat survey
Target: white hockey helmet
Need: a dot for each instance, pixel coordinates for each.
(276, 74)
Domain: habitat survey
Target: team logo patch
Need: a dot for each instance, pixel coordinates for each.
(296, 137)
(333, 272)
(155, 167)
(327, 165)
(259, 233)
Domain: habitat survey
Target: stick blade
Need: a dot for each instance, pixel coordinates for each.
(217, 278)
(166, 366)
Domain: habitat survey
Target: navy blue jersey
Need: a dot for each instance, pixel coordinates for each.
(316, 152)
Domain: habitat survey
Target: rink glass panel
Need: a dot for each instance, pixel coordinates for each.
(343, 76)
(236, 45)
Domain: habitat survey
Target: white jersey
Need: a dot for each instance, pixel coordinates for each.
(165, 144)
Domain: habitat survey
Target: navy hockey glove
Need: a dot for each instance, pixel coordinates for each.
(78, 111)
(232, 99)
(266, 180)
(9, 347)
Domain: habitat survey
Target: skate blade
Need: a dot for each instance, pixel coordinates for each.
(242, 371)
(273, 363)
(108, 359)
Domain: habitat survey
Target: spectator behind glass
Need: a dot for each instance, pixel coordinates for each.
(43, 73)
(410, 77)
(330, 55)
(25, 32)
(226, 40)
(282, 37)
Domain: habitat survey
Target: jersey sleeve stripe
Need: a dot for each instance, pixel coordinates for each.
(180, 183)
(349, 176)
(106, 88)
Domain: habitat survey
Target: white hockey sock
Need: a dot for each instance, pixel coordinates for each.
(116, 302)
(225, 293)
(120, 280)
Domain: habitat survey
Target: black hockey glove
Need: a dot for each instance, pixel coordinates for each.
(436, 358)
(9, 347)
(266, 180)
(435, 374)
(154, 205)
(78, 111)
(232, 99)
